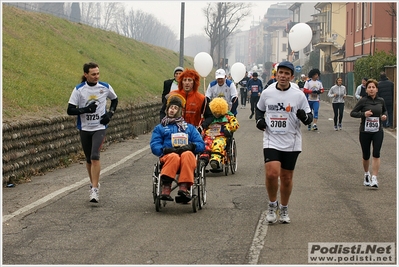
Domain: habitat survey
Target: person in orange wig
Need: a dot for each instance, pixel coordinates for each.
(196, 111)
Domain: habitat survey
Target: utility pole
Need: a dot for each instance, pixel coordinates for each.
(224, 38)
(219, 32)
(181, 57)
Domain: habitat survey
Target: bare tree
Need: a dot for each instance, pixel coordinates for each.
(145, 27)
(392, 10)
(222, 20)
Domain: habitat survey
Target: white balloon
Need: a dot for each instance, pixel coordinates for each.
(300, 36)
(203, 63)
(237, 71)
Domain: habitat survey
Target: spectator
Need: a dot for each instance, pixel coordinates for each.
(171, 84)
(361, 89)
(385, 90)
(302, 82)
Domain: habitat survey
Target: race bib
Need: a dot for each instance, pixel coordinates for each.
(179, 139)
(277, 122)
(214, 130)
(372, 124)
(254, 89)
(92, 119)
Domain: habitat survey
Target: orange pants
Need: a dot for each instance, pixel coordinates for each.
(186, 163)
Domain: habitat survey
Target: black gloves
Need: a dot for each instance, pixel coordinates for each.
(89, 109)
(316, 92)
(261, 124)
(200, 129)
(106, 118)
(189, 147)
(226, 132)
(301, 114)
(179, 150)
(168, 150)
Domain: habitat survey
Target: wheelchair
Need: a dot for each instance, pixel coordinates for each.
(197, 190)
(229, 157)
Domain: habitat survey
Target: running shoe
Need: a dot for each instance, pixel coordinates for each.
(315, 127)
(309, 127)
(335, 128)
(251, 116)
(94, 195)
(366, 181)
(340, 126)
(374, 182)
(284, 218)
(271, 216)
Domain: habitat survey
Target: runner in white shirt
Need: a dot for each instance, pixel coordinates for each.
(89, 102)
(313, 88)
(279, 113)
(222, 87)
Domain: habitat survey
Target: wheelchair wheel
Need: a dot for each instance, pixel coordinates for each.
(155, 182)
(201, 186)
(194, 203)
(233, 157)
(158, 204)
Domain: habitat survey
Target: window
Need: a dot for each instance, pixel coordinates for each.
(358, 16)
(284, 34)
(284, 47)
(365, 15)
(371, 14)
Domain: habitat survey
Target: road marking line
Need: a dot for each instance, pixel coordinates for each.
(258, 240)
(70, 187)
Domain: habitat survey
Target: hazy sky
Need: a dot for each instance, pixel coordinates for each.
(168, 13)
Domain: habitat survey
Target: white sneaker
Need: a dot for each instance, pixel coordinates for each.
(271, 216)
(374, 182)
(94, 195)
(366, 181)
(284, 218)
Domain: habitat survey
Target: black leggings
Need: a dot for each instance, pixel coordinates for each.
(91, 144)
(254, 100)
(365, 142)
(338, 109)
(243, 93)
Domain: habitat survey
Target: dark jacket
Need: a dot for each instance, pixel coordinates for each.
(376, 105)
(166, 89)
(385, 90)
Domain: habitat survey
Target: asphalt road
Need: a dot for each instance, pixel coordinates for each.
(51, 221)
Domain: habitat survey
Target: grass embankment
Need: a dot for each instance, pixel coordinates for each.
(43, 58)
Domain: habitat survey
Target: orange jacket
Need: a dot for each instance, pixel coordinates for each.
(192, 112)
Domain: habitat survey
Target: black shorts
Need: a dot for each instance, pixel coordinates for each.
(287, 159)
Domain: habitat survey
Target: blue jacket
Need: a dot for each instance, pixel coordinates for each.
(162, 138)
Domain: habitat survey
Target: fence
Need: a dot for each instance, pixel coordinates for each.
(36, 146)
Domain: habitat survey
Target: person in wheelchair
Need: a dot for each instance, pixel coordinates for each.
(176, 142)
(222, 127)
